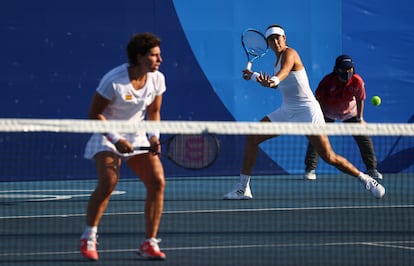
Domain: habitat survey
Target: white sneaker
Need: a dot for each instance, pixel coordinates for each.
(376, 188)
(310, 175)
(374, 174)
(239, 192)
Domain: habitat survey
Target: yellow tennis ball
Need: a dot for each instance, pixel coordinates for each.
(376, 100)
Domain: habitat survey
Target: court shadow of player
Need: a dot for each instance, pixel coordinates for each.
(398, 161)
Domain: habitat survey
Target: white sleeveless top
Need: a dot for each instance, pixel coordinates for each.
(298, 102)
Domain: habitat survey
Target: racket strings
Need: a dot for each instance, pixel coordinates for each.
(255, 43)
(194, 151)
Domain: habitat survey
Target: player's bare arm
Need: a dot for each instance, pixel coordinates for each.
(153, 113)
(153, 110)
(98, 105)
(289, 61)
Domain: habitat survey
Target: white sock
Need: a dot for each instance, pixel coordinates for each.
(90, 232)
(244, 179)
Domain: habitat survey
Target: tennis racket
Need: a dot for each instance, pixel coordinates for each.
(190, 151)
(254, 44)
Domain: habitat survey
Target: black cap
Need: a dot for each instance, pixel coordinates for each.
(344, 62)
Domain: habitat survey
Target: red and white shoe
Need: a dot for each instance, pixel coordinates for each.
(88, 248)
(149, 249)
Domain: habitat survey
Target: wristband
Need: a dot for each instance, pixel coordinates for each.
(276, 80)
(254, 76)
(153, 134)
(113, 137)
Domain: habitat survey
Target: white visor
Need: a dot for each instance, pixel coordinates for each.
(274, 30)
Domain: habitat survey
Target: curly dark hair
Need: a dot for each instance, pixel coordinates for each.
(141, 44)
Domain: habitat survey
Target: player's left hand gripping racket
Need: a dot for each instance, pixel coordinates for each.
(190, 151)
(255, 45)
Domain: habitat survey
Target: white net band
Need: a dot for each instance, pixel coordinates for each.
(199, 127)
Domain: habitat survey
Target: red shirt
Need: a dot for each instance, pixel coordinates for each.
(338, 99)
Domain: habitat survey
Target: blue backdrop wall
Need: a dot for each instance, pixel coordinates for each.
(53, 54)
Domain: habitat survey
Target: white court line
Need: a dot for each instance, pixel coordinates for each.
(382, 244)
(216, 211)
(29, 195)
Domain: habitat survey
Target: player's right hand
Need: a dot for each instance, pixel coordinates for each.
(247, 74)
(123, 146)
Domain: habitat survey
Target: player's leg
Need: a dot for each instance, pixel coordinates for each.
(311, 161)
(107, 167)
(149, 168)
(241, 189)
(251, 149)
(323, 147)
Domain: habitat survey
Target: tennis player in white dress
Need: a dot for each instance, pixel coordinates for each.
(298, 105)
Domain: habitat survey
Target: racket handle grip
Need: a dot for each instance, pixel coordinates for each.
(249, 66)
(139, 148)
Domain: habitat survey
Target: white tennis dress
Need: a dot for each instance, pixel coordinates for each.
(126, 103)
(298, 102)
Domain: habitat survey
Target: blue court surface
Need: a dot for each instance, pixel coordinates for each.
(290, 221)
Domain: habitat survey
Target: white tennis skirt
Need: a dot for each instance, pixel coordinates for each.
(98, 143)
(307, 114)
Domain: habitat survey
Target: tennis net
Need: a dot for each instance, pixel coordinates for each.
(46, 181)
